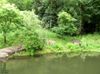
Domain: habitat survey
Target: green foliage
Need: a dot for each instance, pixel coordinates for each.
(65, 24)
(31, 39)
(20, 28)
(73, 47)
(85, 11)
(48, 10)
(87, 43)
(3, 1)
(31, 20)
(10, 19)
(64, 17)
(23, 4)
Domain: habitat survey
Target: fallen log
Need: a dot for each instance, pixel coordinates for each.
(6, 52)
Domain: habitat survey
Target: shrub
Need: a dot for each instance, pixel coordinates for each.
(31, 38)
(31, 20)
(65, 24)
(32, 41)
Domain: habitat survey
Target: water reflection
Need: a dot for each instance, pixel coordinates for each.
(3, 69)
(51, 65)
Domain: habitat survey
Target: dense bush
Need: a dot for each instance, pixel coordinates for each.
(31, 39)
(65, 24)
(22, 4)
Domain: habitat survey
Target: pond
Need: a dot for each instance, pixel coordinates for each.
(51, 65)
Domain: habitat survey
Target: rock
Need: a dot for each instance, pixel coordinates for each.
(7, 51)
(51, 42)
(3, 55)
(77, 42)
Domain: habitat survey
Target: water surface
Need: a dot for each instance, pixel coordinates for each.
(51, 65)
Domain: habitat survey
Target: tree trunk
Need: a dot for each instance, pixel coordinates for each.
(81, 8)
(4, 38)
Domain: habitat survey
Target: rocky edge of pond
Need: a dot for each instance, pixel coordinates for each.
(6, 52)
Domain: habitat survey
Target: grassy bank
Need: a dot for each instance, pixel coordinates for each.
(85, 45)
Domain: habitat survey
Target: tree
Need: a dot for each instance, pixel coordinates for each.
(87, 13)
(65, 24)
(9, 20)
(48, 11)
(22, 4)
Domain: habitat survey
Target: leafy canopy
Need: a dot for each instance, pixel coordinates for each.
(10, 19)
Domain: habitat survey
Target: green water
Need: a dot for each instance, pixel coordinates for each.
(51, 65)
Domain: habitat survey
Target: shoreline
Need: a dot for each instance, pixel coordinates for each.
(61, 53)
(5, 53)
(20, 53)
